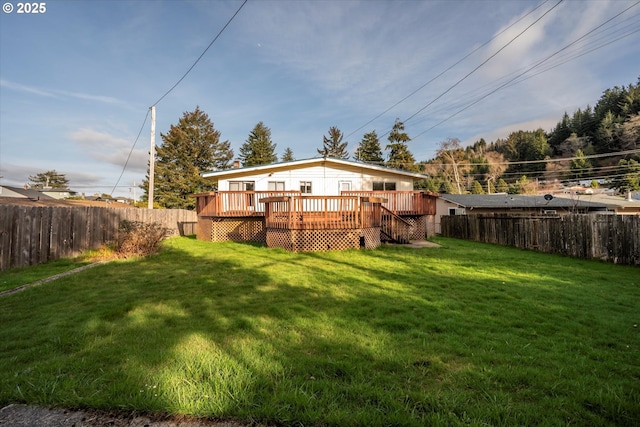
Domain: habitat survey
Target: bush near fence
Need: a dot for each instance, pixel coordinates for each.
(612, 238)
(36, 234)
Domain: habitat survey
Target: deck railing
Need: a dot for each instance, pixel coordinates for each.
(396, 228)
(402, 202)
(248, 203)
(312, 212)
(235, 203)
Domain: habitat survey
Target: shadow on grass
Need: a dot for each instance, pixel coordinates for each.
(359, 338)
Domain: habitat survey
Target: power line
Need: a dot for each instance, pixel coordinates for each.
(447, 69)
(202, 54)
(481, 64)
(527, 70)
(174, 86)
(144, 122)
(517, 80)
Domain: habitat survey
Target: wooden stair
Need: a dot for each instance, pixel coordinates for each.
(394, 228)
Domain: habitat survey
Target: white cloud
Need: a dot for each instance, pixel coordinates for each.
(545, 124)
(22, 88)
(110, 149)
(57, 93)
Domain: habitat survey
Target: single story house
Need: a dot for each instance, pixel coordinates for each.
(22, 193)
(627, 204)
(314, 204)
(469, 204)
(58, 193)
(315, 176)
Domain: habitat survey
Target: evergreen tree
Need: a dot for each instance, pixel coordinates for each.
(49, 179)
(476, 188)
(288, 155)
(528, 146)
(189, 148)
(630, 180)
(561, 132)
(333, 145)
(258, 149)
(502, 186)
(581, 166)
(399, 155)
(369, 150)
(490, 187)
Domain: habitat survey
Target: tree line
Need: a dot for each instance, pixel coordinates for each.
(594, 143)
(193, 146)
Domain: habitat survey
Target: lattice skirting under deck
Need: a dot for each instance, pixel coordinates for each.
(235, 229)
(418, 229)
(323, 240)
(371, 237)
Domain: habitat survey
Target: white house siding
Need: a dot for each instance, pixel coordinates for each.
(325, 180)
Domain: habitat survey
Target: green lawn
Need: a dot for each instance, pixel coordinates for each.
(465, 334)
(16, 277)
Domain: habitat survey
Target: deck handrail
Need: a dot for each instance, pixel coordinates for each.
(394, 226)
(404, 202)
(247, 203)
(312, 212)
(235, 203)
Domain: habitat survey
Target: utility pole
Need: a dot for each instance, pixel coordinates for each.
(152, 156)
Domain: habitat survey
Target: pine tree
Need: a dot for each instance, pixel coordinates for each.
(502, 186)
(369, 150)
(581, 166)
(189, 148)
(333, 145)
(476, 188)
(49, 179)
(288, 155)
(630, 180)
(258, 149)
(399, 155)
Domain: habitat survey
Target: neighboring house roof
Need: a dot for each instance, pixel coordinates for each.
(618, 202)
(21, 192)
(518, 201)
(299, 164)
(58, 193)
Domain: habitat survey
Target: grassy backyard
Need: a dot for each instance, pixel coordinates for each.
(465, 334)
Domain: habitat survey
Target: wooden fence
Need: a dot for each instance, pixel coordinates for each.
(612, 238)
(32, 235)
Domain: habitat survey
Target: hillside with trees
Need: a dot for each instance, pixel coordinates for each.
(596, 144)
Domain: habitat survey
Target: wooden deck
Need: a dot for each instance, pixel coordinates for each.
(297, 222)
(235, 204)
(317, 210)
(320, 212)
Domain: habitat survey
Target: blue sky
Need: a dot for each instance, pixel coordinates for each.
(77, 81)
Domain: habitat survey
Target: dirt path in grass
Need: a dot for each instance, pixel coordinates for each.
(49, 279)
(31, 416)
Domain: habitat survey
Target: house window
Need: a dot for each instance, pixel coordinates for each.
(345, 185)
(276, 185)
(305, 187)
(242, 185)
(384, 186)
